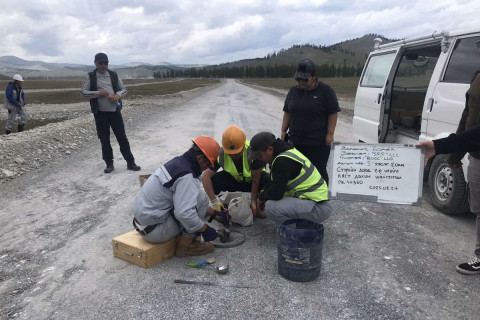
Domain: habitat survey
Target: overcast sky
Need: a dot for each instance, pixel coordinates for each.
(210, 32)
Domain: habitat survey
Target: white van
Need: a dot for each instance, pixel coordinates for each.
(413, 90)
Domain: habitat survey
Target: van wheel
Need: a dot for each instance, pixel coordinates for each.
(448, 187)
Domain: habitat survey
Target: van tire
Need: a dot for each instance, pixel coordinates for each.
(448, 187)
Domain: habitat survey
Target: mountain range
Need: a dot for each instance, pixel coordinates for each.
(351, 53)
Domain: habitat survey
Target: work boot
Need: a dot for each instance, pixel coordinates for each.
(132, 166)
(8, 131)
(21, 127)
(109, 168)
(191, 247)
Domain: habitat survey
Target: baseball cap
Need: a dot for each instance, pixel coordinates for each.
(305, 69)
(101, 57)
(260, 142)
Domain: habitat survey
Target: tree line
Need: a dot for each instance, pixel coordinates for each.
(260, 71)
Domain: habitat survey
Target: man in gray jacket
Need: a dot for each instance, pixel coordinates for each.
(104, 88)
(171, 202)
(15, 104)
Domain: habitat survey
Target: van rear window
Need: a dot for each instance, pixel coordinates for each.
(377, 70)
(464, 62)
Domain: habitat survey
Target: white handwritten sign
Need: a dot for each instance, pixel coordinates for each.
(389, 173)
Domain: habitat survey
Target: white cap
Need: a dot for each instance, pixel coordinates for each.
(17, 77)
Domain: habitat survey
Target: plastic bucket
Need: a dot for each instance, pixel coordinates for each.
(300, 250)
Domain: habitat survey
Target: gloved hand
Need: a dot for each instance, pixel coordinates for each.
(209, 234)
(217, 205)
(220, 216)
(253, 207)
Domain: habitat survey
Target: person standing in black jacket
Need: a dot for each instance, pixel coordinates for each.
(466, 141)
(104, 89)
(310, 116)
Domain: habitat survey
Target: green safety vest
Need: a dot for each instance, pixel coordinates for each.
(226, 162)
(309, 184)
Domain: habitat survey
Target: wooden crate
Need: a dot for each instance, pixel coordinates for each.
(131, 247)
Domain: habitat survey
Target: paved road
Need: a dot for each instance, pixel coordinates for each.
(380, 261)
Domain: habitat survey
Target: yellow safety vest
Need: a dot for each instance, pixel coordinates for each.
(226, 162)
(309, 184)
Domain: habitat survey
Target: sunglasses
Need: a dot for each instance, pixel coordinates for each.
(103, 63)
(301, 80)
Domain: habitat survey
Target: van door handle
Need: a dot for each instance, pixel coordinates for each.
(430, 104)
(379, 98)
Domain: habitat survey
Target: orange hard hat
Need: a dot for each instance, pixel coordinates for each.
(209, 147)
(233, 140)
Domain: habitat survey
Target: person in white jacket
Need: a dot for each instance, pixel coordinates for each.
(171, 202)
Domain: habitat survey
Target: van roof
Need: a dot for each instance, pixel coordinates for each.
(433, 37)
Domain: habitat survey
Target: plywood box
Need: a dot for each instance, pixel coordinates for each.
(131, 247)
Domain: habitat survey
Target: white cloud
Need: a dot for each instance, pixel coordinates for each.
(187, 31)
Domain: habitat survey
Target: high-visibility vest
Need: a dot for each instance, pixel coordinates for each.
(226, 162)
(309, 184)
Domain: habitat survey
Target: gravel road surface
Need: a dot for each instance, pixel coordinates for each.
(59, 213)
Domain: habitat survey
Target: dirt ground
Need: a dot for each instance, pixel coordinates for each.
(380, 261)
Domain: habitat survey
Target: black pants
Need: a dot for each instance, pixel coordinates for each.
(224, 181)
(318, 156)
(103, 122)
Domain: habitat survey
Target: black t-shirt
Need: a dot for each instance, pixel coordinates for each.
(309, 111)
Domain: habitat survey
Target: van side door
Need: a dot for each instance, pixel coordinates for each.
(446, 101)
(372, 93)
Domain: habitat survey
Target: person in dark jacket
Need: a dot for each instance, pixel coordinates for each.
(471, 118)
(466, 141)
(104, 89)
(15, 104)
(310, 116)
(296, 189)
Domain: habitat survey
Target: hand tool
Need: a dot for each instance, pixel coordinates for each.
(213, 284)
(198, 265)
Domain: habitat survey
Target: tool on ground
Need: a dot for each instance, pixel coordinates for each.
(213, 284)
(236, 239)
(222, 269)
(198, 265)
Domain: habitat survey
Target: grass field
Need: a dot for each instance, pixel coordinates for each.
(152, 88)
(343, 87)
(68, 83)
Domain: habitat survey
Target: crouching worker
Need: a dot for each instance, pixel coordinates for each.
(171, 203)
(238, 174)
(296, 189)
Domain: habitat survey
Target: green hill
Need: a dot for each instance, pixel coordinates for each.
(341, 59)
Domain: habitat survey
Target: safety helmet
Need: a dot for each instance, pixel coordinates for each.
(209, 147)
(17, 77)
(233, 140)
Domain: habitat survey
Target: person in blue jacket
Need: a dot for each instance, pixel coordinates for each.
(15, 104)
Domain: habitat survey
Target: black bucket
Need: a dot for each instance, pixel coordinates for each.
(300, 250)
